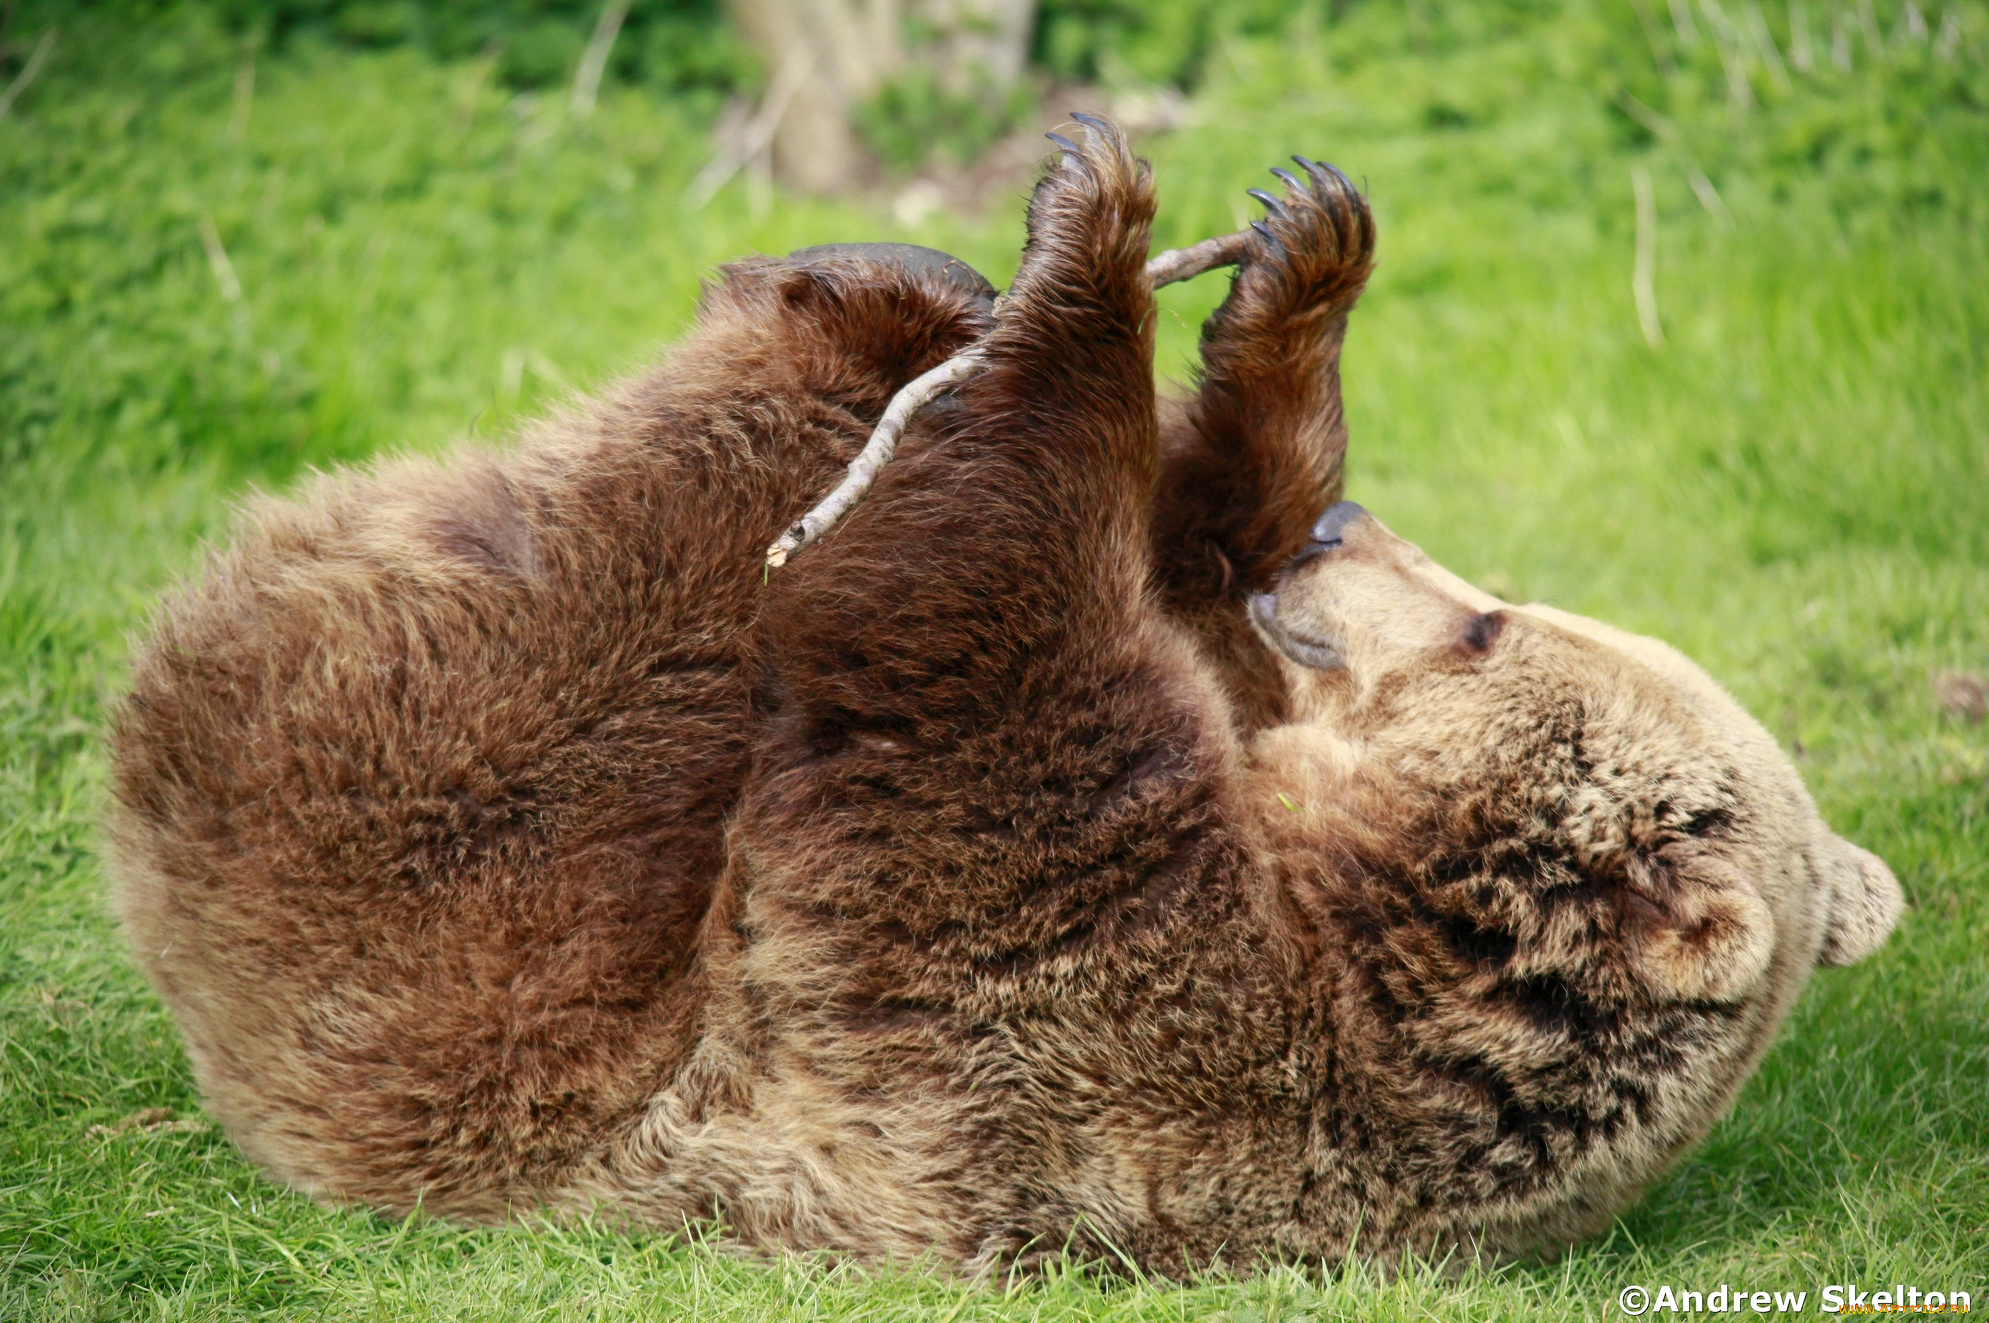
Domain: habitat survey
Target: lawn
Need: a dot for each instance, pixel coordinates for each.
(210, 282)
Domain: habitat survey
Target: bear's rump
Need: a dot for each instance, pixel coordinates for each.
(421, 797)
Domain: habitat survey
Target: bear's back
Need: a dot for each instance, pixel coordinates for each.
(422, 785)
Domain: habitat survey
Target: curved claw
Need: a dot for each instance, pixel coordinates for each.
(1271, 204)
(1292, 181)
(1270, 235)
(1324, 171)
(1092, 122)
(1064, 144)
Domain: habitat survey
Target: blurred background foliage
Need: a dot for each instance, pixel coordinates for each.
(677, 44)
(1892, 130)
(670, 45)
(1865, 123)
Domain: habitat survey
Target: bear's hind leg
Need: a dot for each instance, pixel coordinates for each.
(985, 849)
(1067, 392)
(983, 620)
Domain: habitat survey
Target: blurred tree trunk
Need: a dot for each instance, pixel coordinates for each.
(827, 57)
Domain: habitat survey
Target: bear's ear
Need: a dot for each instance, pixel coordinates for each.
(1865, 901)
(1696, 930)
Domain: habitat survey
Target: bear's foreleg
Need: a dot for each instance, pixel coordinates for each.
(1253, 457)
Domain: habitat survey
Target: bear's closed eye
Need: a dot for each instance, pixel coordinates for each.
(1483, 630)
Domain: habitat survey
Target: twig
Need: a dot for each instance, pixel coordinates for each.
(28, 72)
(1660, 54)
(1186, 263)
(245, 91)
(1667, 133)
(1176, 264)
(217, 259)
(1912, 26)
(870, 461)
(1764, 41)
(1950, 35)
(1868, 20)
(1727, 39)
(1681, 22)
(1801, 57)
(594, 60)
(1643, 279)
(1709, 197)
(758, 134)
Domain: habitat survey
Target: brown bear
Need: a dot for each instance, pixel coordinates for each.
(1081, 849)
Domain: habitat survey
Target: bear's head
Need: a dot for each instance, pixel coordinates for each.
(1536, 757)
(1561, 889)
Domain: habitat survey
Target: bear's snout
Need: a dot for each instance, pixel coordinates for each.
(1328, 532)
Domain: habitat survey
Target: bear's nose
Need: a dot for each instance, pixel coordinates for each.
(1332, 526)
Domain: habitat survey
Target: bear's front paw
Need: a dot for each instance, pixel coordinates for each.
(1310, 256)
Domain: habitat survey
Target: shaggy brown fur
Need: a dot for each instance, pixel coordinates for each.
(991, 879)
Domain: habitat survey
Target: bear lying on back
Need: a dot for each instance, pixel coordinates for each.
(1080, 846)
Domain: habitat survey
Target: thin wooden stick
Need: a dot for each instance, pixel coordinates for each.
(28, 72)
(757, 134)
(1176, 264)
(1643, 276)
(594, 60)
(1667, 133)
(870, 461)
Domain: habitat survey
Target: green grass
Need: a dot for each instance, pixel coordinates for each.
(1795, 490)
